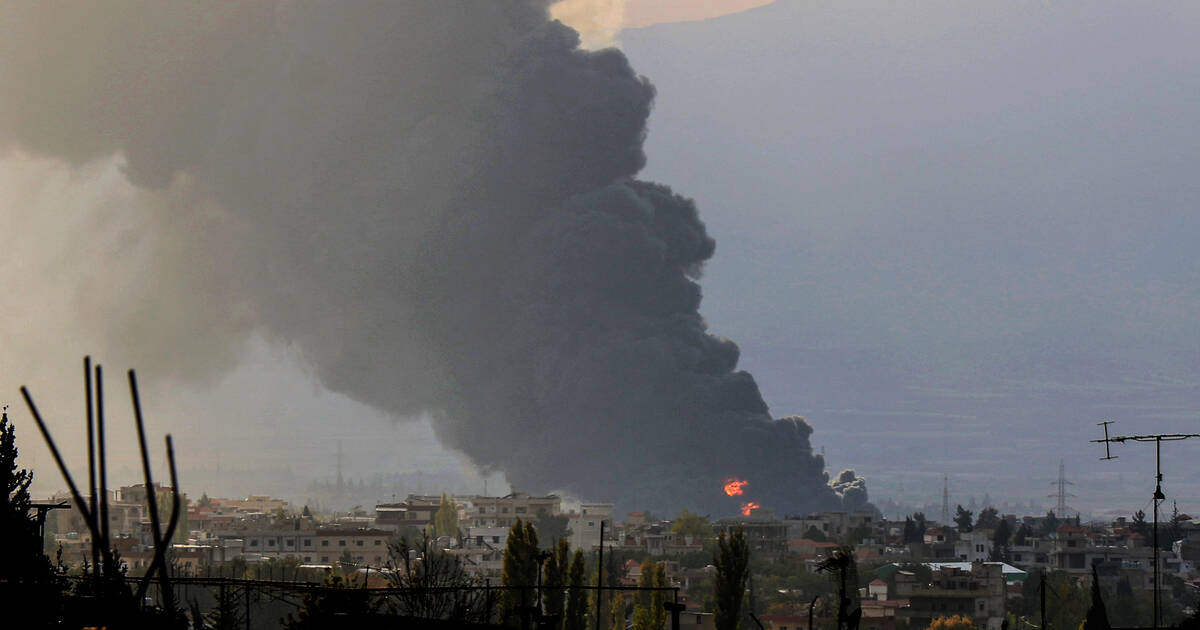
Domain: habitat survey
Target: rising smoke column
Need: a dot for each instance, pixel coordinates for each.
(436, 204)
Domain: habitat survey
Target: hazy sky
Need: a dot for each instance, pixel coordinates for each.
(962, 227)
(953, 236)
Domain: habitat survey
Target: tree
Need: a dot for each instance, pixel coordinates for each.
(555, 581)
(1050, 524)
(914, 528)
(1097, 616)
(1000, 548)
(648, 612)
(694, 525)
(616, 611)
(434, 584)
(519, 572)
(731, 560)
(445, 521)
(333, 605)
(1023, 532)
(844, 571)
(204, 500)
(989, 518)
(21, 556)
(962, 519)
(1174, 528)
(551, 528)
(306, 513)
(957, 622)
(575, 615)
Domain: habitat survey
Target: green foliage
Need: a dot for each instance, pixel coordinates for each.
(962, 519)
(520, 569)
(306, 513)
(434, 584)
(21, 554)
(1000, 543)
(330, 605)
(815, 534)
(843, 570)
(445, 520)
(617, 613)
(555, 579)
(1049, 524)
(989, 518)
(731, 561)
(551, 528)
(694, 525)
(648, 611)
(575, 616)
(1023, 532)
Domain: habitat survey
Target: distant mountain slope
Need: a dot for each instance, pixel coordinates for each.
(955, 236)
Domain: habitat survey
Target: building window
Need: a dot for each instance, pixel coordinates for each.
(324, 558)
(378, 542)
(324, 543)
(308, 558)
(307, 543)
(358, 542)
(253, 543)
(289, 542)
(341, 543)
(271, 542)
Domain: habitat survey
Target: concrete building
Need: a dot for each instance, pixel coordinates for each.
(504, 511)
(585, 525)
(977, 592)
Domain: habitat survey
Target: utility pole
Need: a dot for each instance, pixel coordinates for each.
(1157, 497)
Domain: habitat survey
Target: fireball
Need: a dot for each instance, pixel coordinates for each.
(747, 508)
(733, 486)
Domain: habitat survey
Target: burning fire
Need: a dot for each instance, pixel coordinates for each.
(733, 487)
(747, 508)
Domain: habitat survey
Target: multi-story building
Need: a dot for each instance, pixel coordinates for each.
(504, 511)
(415, 511)
(585, 524)
(977, 592)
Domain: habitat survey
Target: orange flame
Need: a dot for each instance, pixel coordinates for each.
(747, 508)
(733, 486)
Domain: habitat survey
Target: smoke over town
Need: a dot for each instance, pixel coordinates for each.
(435, 204)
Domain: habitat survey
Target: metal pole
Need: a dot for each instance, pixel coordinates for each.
(91, 451)
(1156, 498)
(105, 525)
(600, 575)
(1042, 596)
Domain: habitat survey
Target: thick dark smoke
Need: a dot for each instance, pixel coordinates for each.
(435, 203)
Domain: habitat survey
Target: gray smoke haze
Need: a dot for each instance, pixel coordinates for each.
(435, 204)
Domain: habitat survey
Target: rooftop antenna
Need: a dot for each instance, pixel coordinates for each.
(1158, 497)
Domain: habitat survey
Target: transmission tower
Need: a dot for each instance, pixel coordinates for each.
(1061, 494)
(945, 500)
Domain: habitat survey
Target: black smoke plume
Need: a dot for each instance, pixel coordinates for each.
(436, 203)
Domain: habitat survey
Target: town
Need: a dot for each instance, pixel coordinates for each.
(912, 573)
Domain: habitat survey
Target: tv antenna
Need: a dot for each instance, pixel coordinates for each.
(1158, 497)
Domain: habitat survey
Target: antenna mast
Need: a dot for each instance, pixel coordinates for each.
(1158, 497)
(945, 500)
